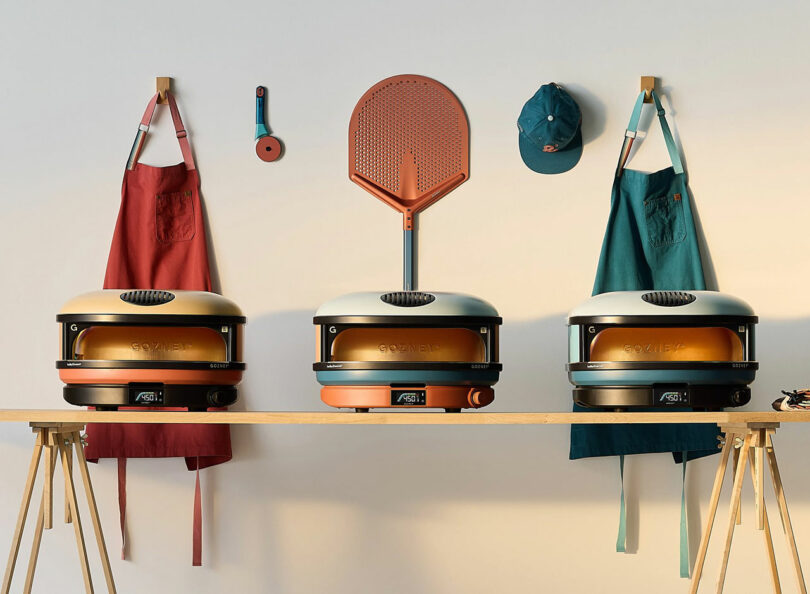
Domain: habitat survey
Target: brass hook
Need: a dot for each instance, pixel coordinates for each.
(647, 85)
(163, 84)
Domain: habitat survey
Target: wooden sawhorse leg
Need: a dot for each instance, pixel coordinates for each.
(58, 441)
(755, 444)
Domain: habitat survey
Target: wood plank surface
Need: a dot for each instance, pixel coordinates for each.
(471, 417)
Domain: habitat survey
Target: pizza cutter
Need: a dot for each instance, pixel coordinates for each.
(268, 147)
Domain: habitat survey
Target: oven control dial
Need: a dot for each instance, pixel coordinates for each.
(219, 398)
(478, 397)
(740, 397)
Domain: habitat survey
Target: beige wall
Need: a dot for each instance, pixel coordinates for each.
(400, 509)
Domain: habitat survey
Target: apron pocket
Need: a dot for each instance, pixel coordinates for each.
(664, 216)
(174, 216)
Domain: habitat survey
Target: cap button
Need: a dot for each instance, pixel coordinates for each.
(550, 118)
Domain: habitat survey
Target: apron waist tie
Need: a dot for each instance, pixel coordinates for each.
(684, 524)
(196, 557)
(621, 539)
(122, 504)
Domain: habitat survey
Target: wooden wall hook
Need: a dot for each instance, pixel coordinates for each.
(163, 84)
(647, 85)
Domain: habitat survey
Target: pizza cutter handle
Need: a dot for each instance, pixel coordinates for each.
(261, 127)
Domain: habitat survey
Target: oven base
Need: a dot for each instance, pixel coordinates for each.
(450, 398)
(142, 395)
(662, 396)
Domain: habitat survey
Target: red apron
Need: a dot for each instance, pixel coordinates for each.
(160, 243)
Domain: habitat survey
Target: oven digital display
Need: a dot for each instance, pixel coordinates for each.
(671, 397)
(145, 396)
(408, 397)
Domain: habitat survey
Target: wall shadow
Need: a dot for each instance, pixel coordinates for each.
(594, 112)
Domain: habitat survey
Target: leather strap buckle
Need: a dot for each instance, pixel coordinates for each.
(181, 134)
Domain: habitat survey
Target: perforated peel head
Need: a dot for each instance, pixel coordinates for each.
(409, 143)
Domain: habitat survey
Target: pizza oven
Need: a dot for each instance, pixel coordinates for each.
(662, 348)
(150, 348)
(407, 349)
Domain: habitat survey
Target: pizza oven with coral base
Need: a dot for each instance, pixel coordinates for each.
(142, 348)
(407, 349)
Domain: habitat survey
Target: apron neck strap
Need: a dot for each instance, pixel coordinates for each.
(632, 128)
(182, 137)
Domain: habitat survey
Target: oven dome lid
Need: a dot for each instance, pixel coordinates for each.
(151, 302)
(662, 303)
(407, 303)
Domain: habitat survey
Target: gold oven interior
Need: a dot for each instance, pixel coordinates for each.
(400, 344)
(144, 343)
(667, 344)
(148, 343)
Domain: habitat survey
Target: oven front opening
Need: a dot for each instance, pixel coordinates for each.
(409, 344)
(149, 343)
(667, 344)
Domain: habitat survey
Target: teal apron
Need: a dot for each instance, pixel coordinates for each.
(650, 244)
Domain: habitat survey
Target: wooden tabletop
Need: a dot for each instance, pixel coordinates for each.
(471, 417)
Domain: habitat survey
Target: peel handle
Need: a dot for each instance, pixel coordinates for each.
(409, 258)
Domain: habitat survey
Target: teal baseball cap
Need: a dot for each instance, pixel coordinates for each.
(550, 131)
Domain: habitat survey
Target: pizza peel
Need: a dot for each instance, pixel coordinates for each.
(409, 147)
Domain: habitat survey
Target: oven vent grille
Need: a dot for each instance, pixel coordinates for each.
(147, 297)
(668, 298)
(408, 298)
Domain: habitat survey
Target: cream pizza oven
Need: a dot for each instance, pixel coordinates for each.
(151, 348)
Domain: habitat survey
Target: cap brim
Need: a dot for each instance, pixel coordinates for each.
(557, 162)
